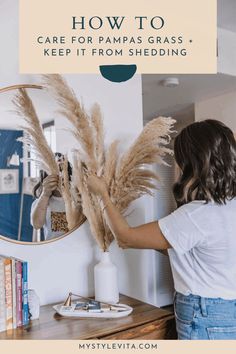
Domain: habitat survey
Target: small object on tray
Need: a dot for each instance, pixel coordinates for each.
(93, 306)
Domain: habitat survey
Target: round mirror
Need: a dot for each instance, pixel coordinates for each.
(32, 208)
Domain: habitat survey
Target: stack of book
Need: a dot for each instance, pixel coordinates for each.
(14, 308)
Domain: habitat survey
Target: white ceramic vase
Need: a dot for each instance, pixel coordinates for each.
(106, 280)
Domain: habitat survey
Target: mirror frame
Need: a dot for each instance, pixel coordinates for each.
(4, 238)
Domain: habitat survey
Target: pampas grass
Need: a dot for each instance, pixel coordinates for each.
(128, 176)
(71, 196)
(74, 111)
(34, 141)
(90, 205)
(131, 179)
(34, 138)
(89, 157)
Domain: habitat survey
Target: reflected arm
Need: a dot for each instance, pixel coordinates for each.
(39, 211)
(39, 208)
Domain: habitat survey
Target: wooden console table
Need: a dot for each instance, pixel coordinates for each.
(145, 322)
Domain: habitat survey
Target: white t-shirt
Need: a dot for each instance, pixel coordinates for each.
(203, 257)
(55, 223)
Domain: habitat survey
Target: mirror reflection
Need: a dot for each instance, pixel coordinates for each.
(32, 208)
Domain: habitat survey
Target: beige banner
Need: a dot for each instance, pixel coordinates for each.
(148, 347)
(72, 36)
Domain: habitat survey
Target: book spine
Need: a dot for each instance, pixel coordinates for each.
(13, 279)
(25, 306)
(18, 293)
(8, 294)
(2, 297)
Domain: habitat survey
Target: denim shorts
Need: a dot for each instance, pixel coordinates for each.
(204, 318)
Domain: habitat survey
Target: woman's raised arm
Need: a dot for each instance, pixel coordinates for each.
(146, 236)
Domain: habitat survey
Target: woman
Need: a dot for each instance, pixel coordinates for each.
(48, 210)
(200, 235)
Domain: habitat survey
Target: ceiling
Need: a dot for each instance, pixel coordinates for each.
(161, 100)
(192, 88)
(227, 14)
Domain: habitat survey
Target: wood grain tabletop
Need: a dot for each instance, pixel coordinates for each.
(52, 326)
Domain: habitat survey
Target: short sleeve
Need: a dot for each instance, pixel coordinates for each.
(181, 231)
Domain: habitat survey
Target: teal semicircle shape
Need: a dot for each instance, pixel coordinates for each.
(118, 73)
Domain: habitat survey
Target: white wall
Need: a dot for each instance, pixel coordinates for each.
(222, 108)
(67, 264)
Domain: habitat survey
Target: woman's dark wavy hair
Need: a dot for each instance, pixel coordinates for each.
(37, 190)
(206, 155)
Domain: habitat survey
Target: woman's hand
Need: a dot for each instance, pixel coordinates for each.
(147, 236)
(50, 184)
(97, 186)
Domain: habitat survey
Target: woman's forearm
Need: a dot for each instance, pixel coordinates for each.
(147, 236)
(38, 213)
(117, 223)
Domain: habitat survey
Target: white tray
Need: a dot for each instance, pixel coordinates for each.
(83, 313)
